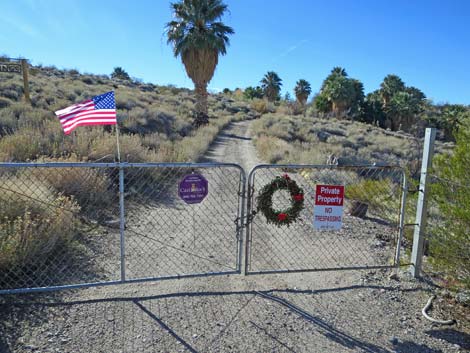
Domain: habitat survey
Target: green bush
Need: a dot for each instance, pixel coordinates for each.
(450, 240)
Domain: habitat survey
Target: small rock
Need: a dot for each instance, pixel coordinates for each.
(113, 223)
(394, 340)
(323, 136)
(394, 277)
(463, 298)
(380, 244)
(30, 347)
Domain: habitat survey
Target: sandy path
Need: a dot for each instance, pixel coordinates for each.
(342, 311)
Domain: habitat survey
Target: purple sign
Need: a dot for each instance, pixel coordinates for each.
(193, 188)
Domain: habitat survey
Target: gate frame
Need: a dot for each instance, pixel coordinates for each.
(250, 211)
(243, 222)
(121, 166)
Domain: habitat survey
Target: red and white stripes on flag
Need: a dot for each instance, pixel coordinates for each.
(100, 110)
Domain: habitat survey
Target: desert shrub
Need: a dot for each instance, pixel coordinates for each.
(35, 222)
(73, 72)
(91, 188)
(88, 80)
(4, 103)
(35, 138)
(8, 122)
(19, 147)
(11, 94)
(274, 150)
(132, 150)
(260, 106)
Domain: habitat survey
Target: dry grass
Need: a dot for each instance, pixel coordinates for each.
(35, 222)
(307, 140)
(39, 208)
(155, 121)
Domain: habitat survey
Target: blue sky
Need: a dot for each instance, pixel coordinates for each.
(426, 43)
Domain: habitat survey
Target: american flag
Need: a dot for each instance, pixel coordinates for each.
(100, 110)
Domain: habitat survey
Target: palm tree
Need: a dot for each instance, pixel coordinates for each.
(340, 91)
(337, 70)
(198, 37)
(302, 91)
(391, 85)
(271, 85)
(402, 111)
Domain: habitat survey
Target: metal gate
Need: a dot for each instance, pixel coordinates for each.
(70, 225)
(372, 226)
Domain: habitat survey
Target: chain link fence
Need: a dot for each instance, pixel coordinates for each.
(371, 231)
(66, 225)
(80, 224)
(447, 238)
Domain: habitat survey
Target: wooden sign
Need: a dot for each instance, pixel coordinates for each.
(18, 67)
(10, 67)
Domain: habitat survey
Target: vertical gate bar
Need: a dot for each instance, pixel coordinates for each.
(241, 219)
(402, 219)
(421, 209)
(122, 222)
(249, 214)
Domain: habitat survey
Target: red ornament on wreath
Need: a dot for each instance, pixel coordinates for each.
(265, 201)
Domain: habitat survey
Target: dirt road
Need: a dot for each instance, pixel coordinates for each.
(333, 311)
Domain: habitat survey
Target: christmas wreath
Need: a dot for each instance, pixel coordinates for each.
(265, 201)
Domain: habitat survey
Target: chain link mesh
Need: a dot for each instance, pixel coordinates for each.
(57, 226)
(369, 231)
(60, 224)
(167, 237)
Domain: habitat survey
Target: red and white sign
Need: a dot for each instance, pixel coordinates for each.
(328, 209)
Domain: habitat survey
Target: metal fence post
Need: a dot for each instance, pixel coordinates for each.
(421, 209)
(122, 222)
(401, 221)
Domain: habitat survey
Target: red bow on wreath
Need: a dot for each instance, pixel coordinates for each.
(282, 216)
(287, 177)
(298, 197)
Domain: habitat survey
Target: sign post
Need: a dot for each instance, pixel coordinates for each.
(24, 68)
(328, 209)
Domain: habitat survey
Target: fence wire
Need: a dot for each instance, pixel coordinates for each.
(370, 233)
(167, 237)
(60, 224)
(447, 237)
(55, 226)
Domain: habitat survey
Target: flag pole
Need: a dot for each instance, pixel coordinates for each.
(117, 140)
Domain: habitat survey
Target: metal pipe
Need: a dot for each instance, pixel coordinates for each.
(122, 224)
(402, 219)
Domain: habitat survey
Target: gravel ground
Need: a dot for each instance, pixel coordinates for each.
(333, 311)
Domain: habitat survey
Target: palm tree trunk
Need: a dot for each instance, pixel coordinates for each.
(201, 117)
